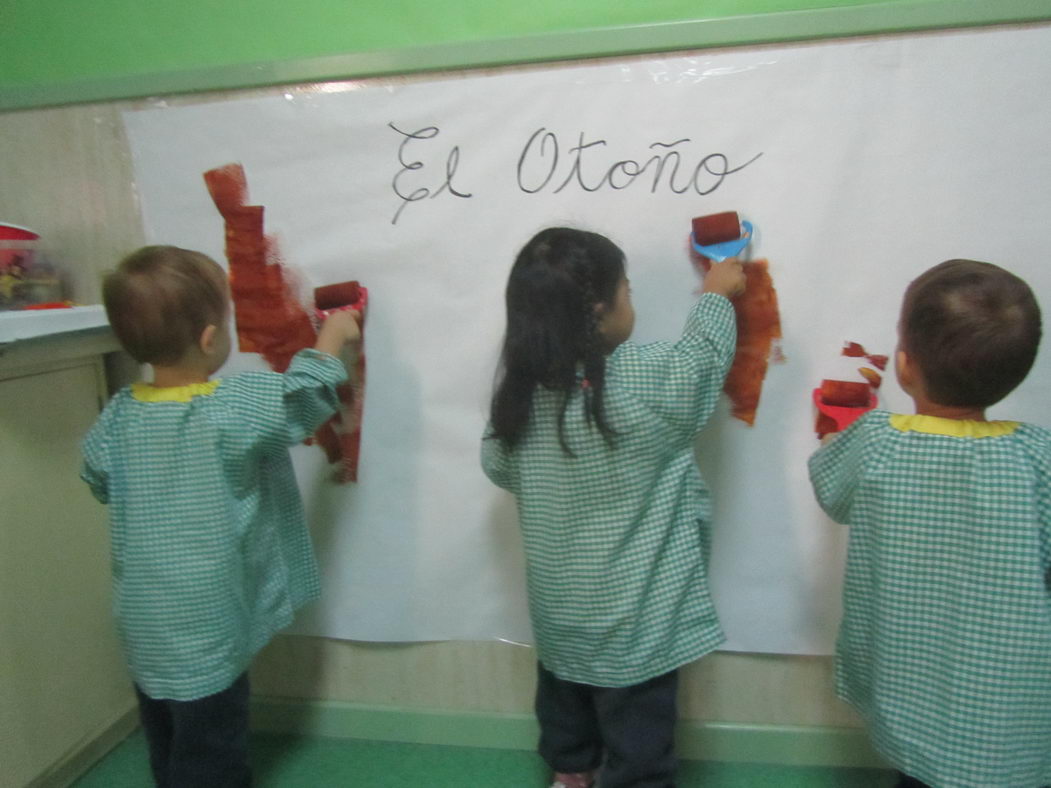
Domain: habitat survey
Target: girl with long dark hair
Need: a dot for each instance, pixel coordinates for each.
(594, 436)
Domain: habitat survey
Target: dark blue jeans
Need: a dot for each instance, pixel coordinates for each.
(628, 731)
(199, 743)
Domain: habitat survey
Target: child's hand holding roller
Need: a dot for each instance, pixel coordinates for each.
(726, 278)
(340, 327)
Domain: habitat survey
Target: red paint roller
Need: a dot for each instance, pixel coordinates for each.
(720, 235)
(840, 403)
(345, 295)
(716, 228)
(845, 393)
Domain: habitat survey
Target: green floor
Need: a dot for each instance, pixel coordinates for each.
(291, 762)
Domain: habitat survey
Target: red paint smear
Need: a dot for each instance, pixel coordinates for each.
(270, 320)
(854, 350)
(758, 325)
(269, 317)
(342, 442)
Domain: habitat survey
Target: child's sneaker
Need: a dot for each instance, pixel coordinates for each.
(575, 780)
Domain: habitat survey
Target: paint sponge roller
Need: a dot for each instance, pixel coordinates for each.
(720, 235)
(345, 295)
(840, 403)
(716, 228)
(845, 393)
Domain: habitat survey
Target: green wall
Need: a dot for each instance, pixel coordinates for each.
(58, 51)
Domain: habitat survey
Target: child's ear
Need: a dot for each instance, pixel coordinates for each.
(904, 367)
(207, 340)
(601, 318)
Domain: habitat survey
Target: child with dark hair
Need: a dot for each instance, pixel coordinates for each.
(945, 644)
(210, 551)
(594, 436)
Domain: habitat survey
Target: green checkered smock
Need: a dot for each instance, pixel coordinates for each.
(945, 645)
(616, 540)
(209, 547)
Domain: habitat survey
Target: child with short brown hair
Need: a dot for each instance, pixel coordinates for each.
(945, 644)
(210, 551)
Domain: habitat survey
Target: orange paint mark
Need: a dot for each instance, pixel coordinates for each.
(758, 325)
(872, 376)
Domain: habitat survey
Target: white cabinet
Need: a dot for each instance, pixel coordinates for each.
(64, 690)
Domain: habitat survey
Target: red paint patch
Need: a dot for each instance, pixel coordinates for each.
(269, 317)
(854, 350)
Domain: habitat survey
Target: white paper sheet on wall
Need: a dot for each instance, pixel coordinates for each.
(861, 163)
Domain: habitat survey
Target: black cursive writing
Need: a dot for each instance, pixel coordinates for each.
(541, 161)
(408, 167)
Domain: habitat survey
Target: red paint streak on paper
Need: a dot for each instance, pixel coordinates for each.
(758, 326)
(340, 436)
(270, 320)
(269, 317)
(342, 443)
(855, 350)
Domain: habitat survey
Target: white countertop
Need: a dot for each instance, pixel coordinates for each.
(19, 325)
(40, 339)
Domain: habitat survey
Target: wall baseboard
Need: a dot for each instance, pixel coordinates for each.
(88, 751)
(790, 745)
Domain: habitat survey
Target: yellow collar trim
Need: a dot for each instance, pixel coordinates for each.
(146, 392)
(955, 428)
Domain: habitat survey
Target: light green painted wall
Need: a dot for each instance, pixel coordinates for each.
(56, 40)
(59, 51)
